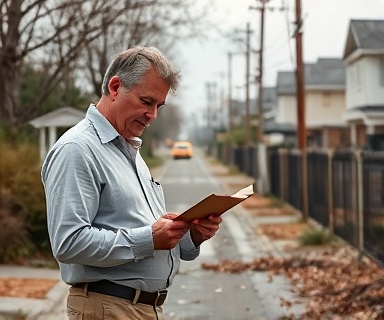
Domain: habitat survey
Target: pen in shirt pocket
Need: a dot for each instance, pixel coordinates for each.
(153, 180)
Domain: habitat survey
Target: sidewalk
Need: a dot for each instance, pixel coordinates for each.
(53, 306)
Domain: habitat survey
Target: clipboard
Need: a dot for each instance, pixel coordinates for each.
(215, 204)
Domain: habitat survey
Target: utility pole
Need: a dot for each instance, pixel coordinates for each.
(209, 87)
(260, 71)
(220, 100)
(247, 85)
(301, 127)
(230, 120)
(248, 32)
(259, 78)
(262, 171)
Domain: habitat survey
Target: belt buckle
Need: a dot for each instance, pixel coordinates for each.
(161, 296)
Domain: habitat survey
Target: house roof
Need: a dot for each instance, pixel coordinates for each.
(370, 115)
(325, 74)
(364, 37)
(63, 117)
(269, 102)
(286, 83)
(274, 127)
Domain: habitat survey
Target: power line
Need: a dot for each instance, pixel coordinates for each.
(259, 75)
(289, 37)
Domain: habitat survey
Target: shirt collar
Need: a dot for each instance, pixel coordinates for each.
(105, 130)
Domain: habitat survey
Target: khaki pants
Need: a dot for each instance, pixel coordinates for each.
(84, 305)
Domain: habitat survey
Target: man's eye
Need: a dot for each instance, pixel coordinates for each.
(146, 102)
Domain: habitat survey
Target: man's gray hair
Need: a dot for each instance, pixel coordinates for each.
(131, 65)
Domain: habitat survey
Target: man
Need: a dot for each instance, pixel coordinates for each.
(116, 245)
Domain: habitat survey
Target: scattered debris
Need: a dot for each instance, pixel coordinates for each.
(333, 282)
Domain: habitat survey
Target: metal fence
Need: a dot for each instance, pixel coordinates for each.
(319, 198)
(345, 189)
(373, 203)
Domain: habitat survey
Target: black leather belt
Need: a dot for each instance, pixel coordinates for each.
(117, 290)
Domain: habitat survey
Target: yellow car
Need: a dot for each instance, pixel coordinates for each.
(182, 150)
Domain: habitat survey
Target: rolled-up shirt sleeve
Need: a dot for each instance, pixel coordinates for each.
(188, 250)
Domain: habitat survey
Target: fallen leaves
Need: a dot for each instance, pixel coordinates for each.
(287, 231)
(265, 206)
(333, 282)
(25, 287)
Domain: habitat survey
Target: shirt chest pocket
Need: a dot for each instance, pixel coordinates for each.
(158, 196)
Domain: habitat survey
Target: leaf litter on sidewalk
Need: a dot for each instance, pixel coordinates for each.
(25, 287)
(332, 281)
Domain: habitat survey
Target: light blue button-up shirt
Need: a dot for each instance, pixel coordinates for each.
(101, 203)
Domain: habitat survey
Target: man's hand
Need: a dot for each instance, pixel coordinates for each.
(167, 233)
(204, 229)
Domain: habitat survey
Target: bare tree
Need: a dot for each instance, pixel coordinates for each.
(161, 23)
(52, 35)
(49, 34)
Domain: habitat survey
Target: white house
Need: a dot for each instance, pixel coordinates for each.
(324, 94)
(364, 60)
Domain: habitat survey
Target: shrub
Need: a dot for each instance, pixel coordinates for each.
(314, 236)
(22, 204)
(15, 243)
(277, 202)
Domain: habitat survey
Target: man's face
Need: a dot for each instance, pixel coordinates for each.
(134, 109)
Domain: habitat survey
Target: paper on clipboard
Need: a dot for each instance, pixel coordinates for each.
(216, 204)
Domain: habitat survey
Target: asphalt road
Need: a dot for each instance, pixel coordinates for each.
(198, 294)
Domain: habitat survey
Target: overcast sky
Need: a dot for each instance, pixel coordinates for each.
(325, 29)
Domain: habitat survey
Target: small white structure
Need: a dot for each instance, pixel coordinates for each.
(64, 117)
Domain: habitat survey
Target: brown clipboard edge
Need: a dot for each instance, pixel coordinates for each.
(185, 215)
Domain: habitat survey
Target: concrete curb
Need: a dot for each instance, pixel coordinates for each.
(55, 299)
(28, 308)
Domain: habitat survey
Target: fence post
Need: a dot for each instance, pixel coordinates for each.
(304, 162)
(360, 200)
(330, 192)
(262, 169)
(283, 174)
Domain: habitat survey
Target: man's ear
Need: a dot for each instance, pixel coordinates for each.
(113, 86)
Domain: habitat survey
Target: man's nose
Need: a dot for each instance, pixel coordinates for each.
(151, 113)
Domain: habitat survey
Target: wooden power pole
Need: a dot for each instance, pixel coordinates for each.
(262, 175)
(230, 115)
(259, 74)
(301, 126)
(247, 85)
(259, 77)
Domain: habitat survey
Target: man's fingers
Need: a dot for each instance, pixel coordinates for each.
(180, 225)
(204, 230)
(170, 215)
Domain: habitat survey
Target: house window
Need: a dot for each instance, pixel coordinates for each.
(326, 98)
(351, 77)
(358, 76)
(381, 71)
